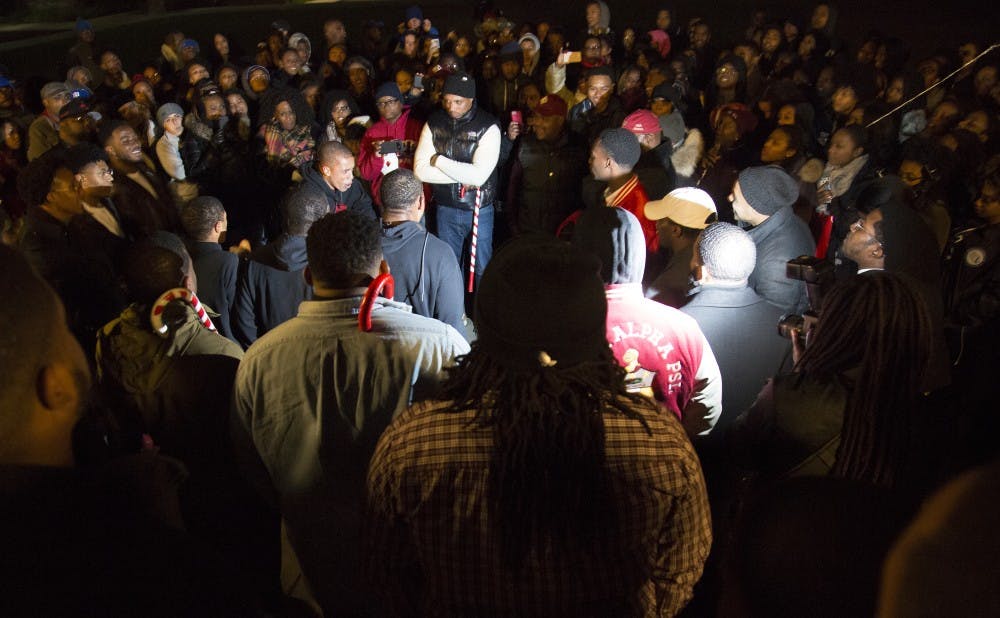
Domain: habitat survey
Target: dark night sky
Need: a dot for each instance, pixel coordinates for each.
(927, 26)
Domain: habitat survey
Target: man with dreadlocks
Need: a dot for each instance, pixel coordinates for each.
(836, 413)
(539, 486)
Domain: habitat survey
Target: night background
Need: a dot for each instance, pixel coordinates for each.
(36, 34)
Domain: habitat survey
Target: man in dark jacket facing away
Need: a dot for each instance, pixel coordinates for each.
(205, 222)
(740, 325)
(423, 266)
(271, 284)
(331, 177)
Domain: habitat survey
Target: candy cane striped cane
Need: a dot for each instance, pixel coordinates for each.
(156, 313)
(475, 239)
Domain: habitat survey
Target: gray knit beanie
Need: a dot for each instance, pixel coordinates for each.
(166, 110)
(621, 145)
(768, 189)
(727, 251)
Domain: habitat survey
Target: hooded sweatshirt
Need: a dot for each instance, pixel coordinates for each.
(356, 198)
(663, 351)
(426, 273)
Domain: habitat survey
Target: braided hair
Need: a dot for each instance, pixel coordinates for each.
(547, 483)
(878, 326)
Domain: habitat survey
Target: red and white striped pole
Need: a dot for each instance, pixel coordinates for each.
(184, 294)
(475, 239)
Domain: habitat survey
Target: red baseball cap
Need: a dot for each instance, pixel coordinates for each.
(641, 122)
(551, 105)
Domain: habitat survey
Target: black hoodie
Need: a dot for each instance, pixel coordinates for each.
(356, 198)
(426, 273)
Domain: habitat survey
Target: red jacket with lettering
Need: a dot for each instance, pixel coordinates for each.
(664, 350)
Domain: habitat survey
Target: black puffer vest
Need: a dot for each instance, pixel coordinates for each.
(457, 140)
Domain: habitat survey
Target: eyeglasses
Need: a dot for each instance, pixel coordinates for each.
(383, 103)
(592, 47)
(859, 226)
(342, 108)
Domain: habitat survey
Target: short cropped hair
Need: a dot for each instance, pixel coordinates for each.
(728, 252)
(341, 246)
(200, 215)
(151, 270)
(329, 151)
(108, 130)
(400, 190)
(622, 146)
(302, 208)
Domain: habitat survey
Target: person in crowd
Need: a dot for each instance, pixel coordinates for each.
(331, 179)
(396, 132)
(12, 160)
(311, 445)
(654, 168)
(600, 110)
(117, 86)
(359, 83)
(271, 283)
(785, 147)
(972, 304)
(76, 125)
(729, 154)
(426, 273)
(170, 118)
(285, 141)
(70, 238)
(739, 324)
(169, 375)
(538, 398)
(612, 158)
(339, 107)
(762, 201)
(545, 169)
(848, 171)
(43, 133)
(84, 52)
(679, 217)
(82, 524)
(205, 223)
(940, 563)
(462, 171)
(859, 427)
(504, 88)
(141, 197)
(664, 354)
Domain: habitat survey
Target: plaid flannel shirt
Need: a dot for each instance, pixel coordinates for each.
(431, 549)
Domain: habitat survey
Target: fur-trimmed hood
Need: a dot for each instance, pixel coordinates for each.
(687, 155)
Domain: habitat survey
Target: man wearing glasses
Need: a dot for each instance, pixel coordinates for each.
(395, 133)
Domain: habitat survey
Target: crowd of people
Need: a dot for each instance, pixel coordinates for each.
(532, 320)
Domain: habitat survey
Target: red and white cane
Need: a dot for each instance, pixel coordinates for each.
(475, 239)
(183, 294)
